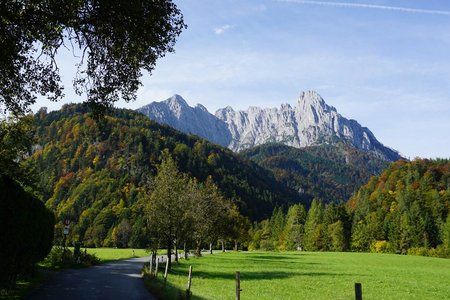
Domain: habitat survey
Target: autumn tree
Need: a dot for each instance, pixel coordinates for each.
(115, 41)
(167, 204)
(121, 234)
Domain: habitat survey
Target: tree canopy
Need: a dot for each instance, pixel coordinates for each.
(179, 210)
(116, 40)
(97, 176)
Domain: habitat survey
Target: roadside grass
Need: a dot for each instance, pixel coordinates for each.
(96, 255)
(308, 275)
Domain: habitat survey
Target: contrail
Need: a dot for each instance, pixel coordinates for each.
(370, 6)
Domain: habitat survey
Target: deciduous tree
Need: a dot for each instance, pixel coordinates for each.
(115, 39)
(166, 204)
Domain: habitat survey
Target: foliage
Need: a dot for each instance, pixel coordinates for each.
(59, 258)
(313, 275)
(407, 206)
(322, 228)
(115, 40)
(168, 206)
(180, 211)
(27, 231)
(97, 174)
(16, 142)
(327, 172)
(404, 210)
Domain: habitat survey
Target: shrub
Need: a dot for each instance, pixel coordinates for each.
(439, 251)
(58, 258)
(267, 245)
(380, 247)
(27, 231)
(418, 251)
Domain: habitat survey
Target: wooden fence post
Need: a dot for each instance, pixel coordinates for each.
(238, 285)
(156, 267)
(188, 291)
(358, 291)
(167, 269)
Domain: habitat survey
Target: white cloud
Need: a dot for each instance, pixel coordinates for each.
(370, 6)
(222, 29)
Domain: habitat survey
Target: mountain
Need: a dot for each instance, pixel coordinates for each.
(96, 174)
(311, 122)
(331, 173)
(176, 113)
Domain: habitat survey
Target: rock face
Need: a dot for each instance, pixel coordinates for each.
(176, 113)
(310, 122)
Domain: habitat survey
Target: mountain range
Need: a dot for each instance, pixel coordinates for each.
(311, 122)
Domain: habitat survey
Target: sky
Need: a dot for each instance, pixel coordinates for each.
(385, 64)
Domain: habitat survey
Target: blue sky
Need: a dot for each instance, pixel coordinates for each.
(385, 64)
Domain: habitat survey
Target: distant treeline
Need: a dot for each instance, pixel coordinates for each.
(328, 172)
(404, 210)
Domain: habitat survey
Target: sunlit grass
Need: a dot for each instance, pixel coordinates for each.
(314, 275)
(111, 254)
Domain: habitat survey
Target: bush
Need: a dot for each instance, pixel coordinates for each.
(418, 251)
(439, 251)
(380, 247)
(267, 245)
(27, 235)
(58, 258)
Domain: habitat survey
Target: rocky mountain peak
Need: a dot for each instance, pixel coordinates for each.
(177, 113)
(311, 99)
(201, 107)
(311, 122)
(177, 104)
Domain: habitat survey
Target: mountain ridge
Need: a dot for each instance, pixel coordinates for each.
(311, 122)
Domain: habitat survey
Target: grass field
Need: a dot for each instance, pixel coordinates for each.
(314, 275)
(111, 254)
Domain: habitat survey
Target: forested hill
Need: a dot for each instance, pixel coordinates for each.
(406, 208)
(93, 173)
(331, 173)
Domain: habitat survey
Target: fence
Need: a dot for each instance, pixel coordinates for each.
(358, 286)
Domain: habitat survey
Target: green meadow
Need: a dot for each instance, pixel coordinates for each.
(309, 275)
(112, 254)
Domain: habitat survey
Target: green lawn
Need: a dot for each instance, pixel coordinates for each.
(314, 275)
(111, 254)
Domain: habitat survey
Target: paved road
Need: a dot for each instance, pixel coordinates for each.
(116, 280)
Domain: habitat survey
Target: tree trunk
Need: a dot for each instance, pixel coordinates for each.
(176, 252)
(223, 246)
(210, 248)
(185, 251)
(169, 253)
(198, 251)
(153, 257)
(235, 245)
